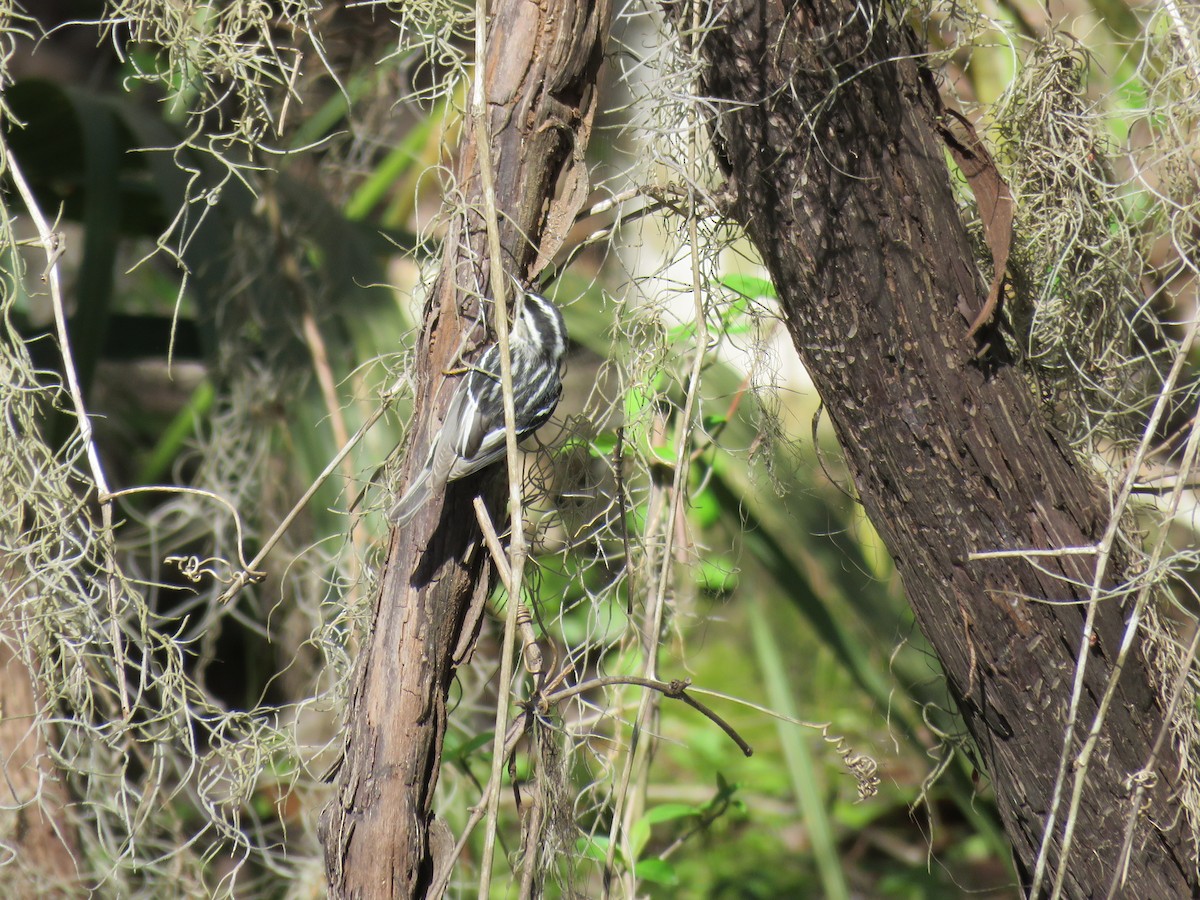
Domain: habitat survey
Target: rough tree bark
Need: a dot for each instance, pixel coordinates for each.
(827, 132)
(541, 69)
(44, 847)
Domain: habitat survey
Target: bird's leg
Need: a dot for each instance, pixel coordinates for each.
(466, 370)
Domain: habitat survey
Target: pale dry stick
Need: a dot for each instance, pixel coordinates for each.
(515, 731)
(618, 468)
(341, 435)
(621, 219)
(655, 501)
(658, 202)
(639, 758)
(290, 80)
(1104, 552)
(1144, 779)
(675, 690)
(320, 358)
(1021, 554)
(517, 545)
(1165, 488)
(52, 243)
(1185, 37)
(759, 708)
(534, 819)
(654, 192)
(1131, 628)
(531, 653)
(612, 202)
(249, 573)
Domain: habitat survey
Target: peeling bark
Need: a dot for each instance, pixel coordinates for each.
(543, 61)
(826, 130)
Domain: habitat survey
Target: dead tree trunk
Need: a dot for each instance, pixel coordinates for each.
(826, 128)
(541, 69)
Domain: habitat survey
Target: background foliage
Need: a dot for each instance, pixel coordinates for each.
(248, 198)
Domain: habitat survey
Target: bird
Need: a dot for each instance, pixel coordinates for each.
(472, 436)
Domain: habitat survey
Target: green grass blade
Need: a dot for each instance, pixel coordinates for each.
(801, 771)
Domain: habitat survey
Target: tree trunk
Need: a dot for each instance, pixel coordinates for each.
(34, 826)
(827, 132)
(541, 68)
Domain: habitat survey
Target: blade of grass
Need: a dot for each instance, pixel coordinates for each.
(175, 434)
(897, 694)
(804, 778)
(402, 157)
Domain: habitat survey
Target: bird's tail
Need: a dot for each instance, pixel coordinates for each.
(414, 498)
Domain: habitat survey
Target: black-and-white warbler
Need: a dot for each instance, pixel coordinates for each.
(472, 436)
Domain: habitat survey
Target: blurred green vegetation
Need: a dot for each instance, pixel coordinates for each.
(274, 293)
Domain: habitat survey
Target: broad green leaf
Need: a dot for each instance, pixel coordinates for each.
(667, 812)
(594, 847)
(656, 871)
(749, 286)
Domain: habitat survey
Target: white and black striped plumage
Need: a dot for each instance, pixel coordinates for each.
(472, 436)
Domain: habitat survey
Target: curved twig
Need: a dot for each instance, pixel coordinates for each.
(674, 690)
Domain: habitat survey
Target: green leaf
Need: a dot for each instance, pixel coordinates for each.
(668, 812)
(706, 508)
(736, 317)
(716, 575)
(657, 871)
(459, 752)
(603, 445)
(594, 847)
(749, 286)
(637, 399)
(639, 836)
